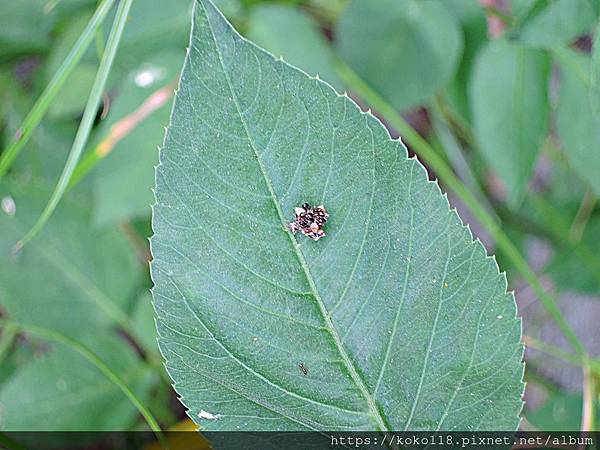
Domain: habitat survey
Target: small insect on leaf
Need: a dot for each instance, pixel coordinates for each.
(303, 368)
(310, 221)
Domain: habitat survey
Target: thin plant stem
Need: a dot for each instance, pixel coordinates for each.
(560, 228)
(454, 121)
(557, 352)
(495, 12)
(588, 413)
(7, 338)
(137, 242)
(88, 354)
(40, 107)
(453, 183)
(532, 374)
(457, 158)
(86, 122)
(582, 217)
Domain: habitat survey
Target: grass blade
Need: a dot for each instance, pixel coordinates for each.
(43, 102)
(86, 122)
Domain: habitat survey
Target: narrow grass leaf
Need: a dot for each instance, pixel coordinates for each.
(43, 103)
(86, 122)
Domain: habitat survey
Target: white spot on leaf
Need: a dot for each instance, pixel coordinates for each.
(208, 416)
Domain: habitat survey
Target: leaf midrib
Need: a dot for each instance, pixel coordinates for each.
(332, 330)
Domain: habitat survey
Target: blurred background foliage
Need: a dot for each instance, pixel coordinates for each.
(505, 92)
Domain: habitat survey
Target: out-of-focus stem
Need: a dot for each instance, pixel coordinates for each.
(559, 353)
(7, 338)
(582, 217)
(588, 413)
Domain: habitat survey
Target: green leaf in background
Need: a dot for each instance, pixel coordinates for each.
(520, 8)
(596, 61)
(231, 8)
(578, 116)
(24, 27)
(560, 412)
(474, 27)
(509, 107)
(79, 282)
(406, 50)
(72, 279)
(143, 323)
(45, 154)
(569, 272)
(123, 181)
(395, 320)
(74, 94)
(288, 32)
(558, 23)
(15, 358)
(152, 25)
(63, 391)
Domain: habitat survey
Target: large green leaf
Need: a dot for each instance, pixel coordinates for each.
(407, 50)
(578, 116)
(509, 107)
(558, 23)
(398, 318)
